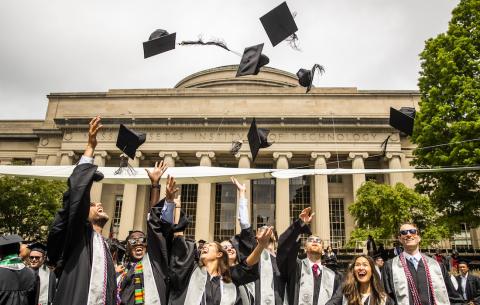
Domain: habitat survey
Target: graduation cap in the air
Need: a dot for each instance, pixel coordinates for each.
(305, 77)
(6, 240)
(402, 119)
(128, 141)
(252, 60)
(39, 247)
(279, 24)
(257, 138)
(159, 41)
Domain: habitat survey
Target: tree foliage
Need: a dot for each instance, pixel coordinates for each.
(380, 209)
(28, 206)
(449, 84)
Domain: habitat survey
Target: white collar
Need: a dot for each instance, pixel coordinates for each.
(466, 275)
(417, 256)
(319, 263)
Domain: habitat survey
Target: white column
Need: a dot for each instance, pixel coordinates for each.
(129, 201)
(357, 163)
(52, 160)
(204, 224)
(66, 157)
(99, 158)
(169, 157)
(321, 206)
(395, 162)
(244, 159)
(282, 193)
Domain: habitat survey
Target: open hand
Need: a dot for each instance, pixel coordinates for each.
(240, 187)
(93, 128)
(306, 215)
(263, 238)
(157, 173)
(171, 189)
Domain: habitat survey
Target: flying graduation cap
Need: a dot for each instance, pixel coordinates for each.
(252, 60)
(305, 77)
(159, 41)
(257, 139)
(128, 141)
(402, 119)
(279, 24)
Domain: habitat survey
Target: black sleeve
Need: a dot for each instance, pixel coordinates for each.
(288, 247)
(244, 243)
(243, 274)
(182, 263)
(453, 295)
(159, 236)
(337, 298)
(388, 280)
(476, 289)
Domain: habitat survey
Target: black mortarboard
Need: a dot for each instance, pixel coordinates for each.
(279, 24)
(252, 61)
(129, 141)
(36, 246)
(305, 77)
(10, 239)
(402, 119)
(257, 138)
(159, 41)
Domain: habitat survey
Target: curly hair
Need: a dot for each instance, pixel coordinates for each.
(351, 286)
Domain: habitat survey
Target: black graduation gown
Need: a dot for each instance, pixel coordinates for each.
(337, 299)
(420, 279)
(182, 265)
(472, 287)
(52, 285)
(18, 287)
(158, 233)
(70, 242)
(288, 263)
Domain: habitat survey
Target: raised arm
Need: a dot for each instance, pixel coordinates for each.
(155, 175)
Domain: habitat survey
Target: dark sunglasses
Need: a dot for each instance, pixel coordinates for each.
(227, 247)
(35, 258)
(137, 241)
(411, 231)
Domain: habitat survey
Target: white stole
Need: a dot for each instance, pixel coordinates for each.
(44, 275)
(402, 292)
(150, 290)
(267, 293)
(305, 293)
(98, 271)
(196, 288)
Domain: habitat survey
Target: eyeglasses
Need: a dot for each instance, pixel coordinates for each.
(137, 241)
(227, 247)
(314, 240)
(32, 258)
(411, 231)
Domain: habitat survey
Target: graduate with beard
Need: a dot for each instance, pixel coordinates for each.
(145, 280)
(46, 278)
(413, 278)
(307, 281)
(75, 244)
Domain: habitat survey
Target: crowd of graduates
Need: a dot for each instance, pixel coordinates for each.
(161, 266)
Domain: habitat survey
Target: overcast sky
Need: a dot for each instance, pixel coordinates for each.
(96, 45)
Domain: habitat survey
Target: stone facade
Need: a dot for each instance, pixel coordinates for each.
(194, 124)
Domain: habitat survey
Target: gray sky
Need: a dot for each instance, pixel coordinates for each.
(96, 45)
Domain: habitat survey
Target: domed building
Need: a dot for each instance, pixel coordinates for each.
(195, 124)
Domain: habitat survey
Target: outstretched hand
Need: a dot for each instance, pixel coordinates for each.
(306, 215)
(171, 190)
(93, 128)
(240, 187)
(263, 238)
(158, 171)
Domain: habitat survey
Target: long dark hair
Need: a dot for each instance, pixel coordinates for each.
(222, 263)
(351, 287)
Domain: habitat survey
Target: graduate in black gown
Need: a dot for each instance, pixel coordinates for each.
(210, 281)
(413, 278)
(307, 281)
(146, 279)
(361, 285)
(46, 278)
(75, 244)
(18, 284)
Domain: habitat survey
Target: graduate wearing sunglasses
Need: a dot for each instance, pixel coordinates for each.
(144, 280)
(308, 281)
(413, 278)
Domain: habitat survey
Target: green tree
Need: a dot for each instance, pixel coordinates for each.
(449, 84)
(380, 209)
(28, 206)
